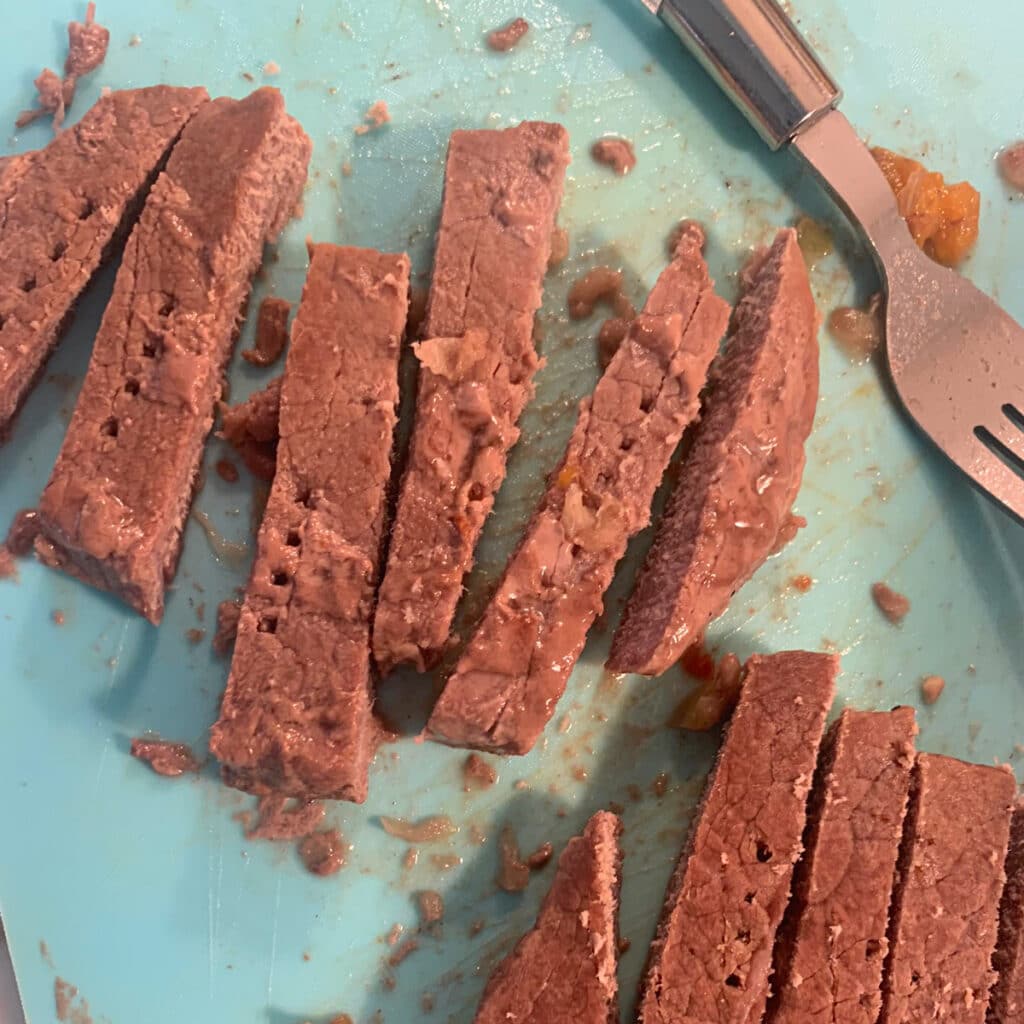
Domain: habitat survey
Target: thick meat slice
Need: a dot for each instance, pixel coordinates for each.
(741, 477)
(113, 511)
(564, 969)
(828, 962)
(946, 904)
(1007, 1004)
(297, 717)
(711, 958)
(64, 210)
(251, 429)
(510, 677)
(501, 195)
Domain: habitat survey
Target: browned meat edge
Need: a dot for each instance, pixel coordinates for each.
(1007, 1003)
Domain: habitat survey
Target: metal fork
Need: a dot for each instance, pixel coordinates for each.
(955, 356)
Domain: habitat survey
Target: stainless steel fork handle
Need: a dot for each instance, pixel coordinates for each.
(758, 57)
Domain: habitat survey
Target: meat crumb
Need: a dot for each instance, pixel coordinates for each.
(375, 117)
(859, 332)
(615, 153)
(601, 284)
(227, 471)
(281, 818)
(165, 757)
(228, 613)
(540, 857)
(1010, 164)
(323, 852)
(195, 636)
(346, 169)
(931, 688)
(405, 949)
(58, 617)
(431, 906)
(802, 583)
(659, 787)
(476, 928)
(477, 774)
(513, 870)
(445, 861)
(501, 40)
(271, 332)
(135, 40)
(559, 247)
(271, 68)
(426, 830)
(893, 605)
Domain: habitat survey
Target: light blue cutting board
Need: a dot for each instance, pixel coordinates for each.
(145, 891)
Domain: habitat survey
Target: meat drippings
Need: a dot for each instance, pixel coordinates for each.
(323, 852)
(814, 239)
(164, 756)
(892, 604)
(426, 830)
(859, 332)
(615, 153)
(501, 40)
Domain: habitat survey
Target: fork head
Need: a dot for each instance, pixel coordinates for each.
(957, 361)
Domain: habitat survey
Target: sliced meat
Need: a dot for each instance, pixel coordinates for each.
(742, 475)
(65, 209)
(1007, 1003)
(113, 511)
(711, 958)
(251, 429)
(297, 716)
(946, 906)
(828, 961)
(510, 677)
(565, 968)
(501, 197)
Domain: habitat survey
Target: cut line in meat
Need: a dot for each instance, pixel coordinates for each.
(832, 946)
(115, 507)
(945, 913)
(297, 716)
(511, 675)
(564, 968)
(66, 209)
(711, 957)
(739, 480)
(501, 196)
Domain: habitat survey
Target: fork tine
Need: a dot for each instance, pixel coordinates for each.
(993, 472)
(1007, 433)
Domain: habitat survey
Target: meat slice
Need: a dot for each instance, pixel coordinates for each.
(711, 958)
(297, 717)
(1007, 1003)
(251, 429)
(740, 479)
(946, 905)
(510, 677)
(65, 209)
(114, 509)
(828, 961)
(564, 969)
(501, 196)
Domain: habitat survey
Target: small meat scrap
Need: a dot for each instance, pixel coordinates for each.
(1007, 1001)
(164, 756)
(228, 613)
(832, 946)
(431, 905)
(375, 117)
(280, 818)
(711, 956)
(945, 911)
(251, 428)
(114, 510)
(477, 774)
(616, 153)
(564, 968)
(271, 332)
(1011, 165)
(53, 98)
(297, 714)
(510, 676)
(892, 604)
(227, 471)
(23, 532)
(323, 852)
(8, 566)
(504, 38)
(601, 284)
(931, 688)
(477, 361)
(513, 869)
(733, 499)
(426, 830)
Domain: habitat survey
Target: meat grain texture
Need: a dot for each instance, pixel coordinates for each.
(739, 480)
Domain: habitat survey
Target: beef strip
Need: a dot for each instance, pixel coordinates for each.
(742, 475)
(946, 905)
(511, 675)
(297, 714)
(1007, 1003)
(501, 197)
(65, 208)
(711, 957)
(828, 961)
(114, 509)
(565, 967)
(251, 429)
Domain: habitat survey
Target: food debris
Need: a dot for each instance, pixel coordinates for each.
(283, 818)
(401, 952)
(135, 39)
(426, 830)
(23, 532)
(228, 613)
(1010, 164)
(513, 869)
(616, 153)
(892, 604)
(227, 471)
(375, 117)
(540, 857)
(943, 219)
(64, 996)
(691, 230)
(195, 636)
(697, 660)
(8, 566)
(271, 332)
(659, 787)
(559, 247)
(58, 617)
(601, 284)
(814, 239)
(445, 861)
(710, 703)
(503, 39)
(271, 68)
(931, 688)
(802, 583)
(417, 311)
(431, 905)
(165, 757)
(477, 774)
(858, 331)
(323, 852)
